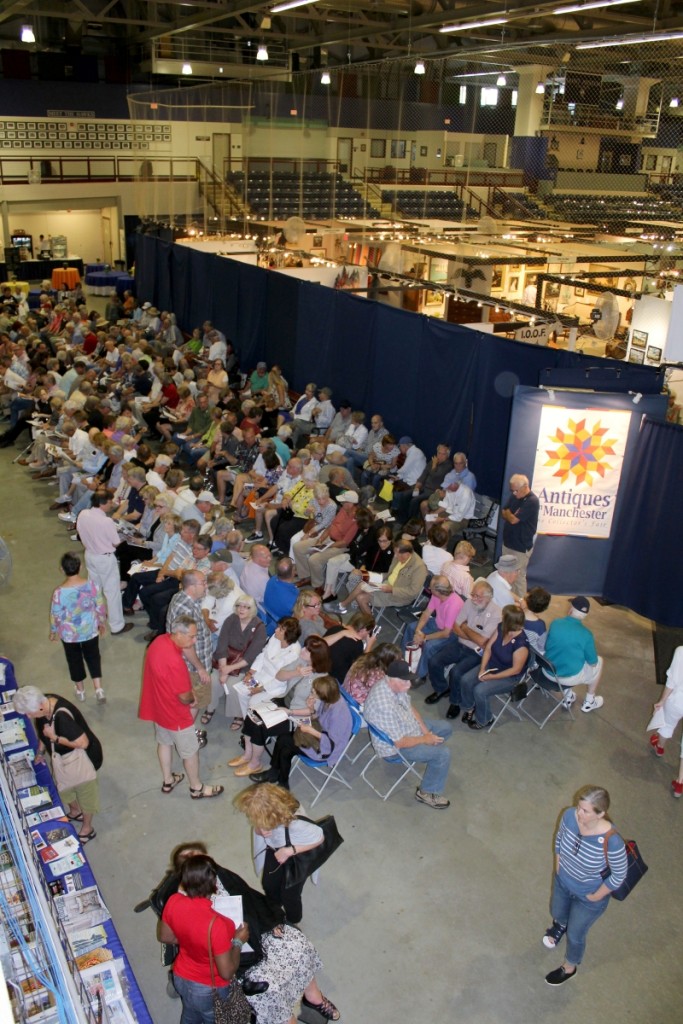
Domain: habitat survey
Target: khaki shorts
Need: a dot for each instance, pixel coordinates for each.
(87, 796)
(184, 740)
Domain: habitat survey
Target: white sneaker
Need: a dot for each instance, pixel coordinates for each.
(592, 703)
(569, 698)
(66, 517)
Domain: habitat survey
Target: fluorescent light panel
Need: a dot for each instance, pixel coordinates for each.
(289, 5)
(591, 6)
(420, 68)
(465, 26)
(601, 44)
(27, 34)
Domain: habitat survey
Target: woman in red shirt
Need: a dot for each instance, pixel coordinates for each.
(186, 918)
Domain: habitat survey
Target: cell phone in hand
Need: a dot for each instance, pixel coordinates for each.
(376, 631)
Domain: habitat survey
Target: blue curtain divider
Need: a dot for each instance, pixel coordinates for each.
(644, 570)
(433, 380)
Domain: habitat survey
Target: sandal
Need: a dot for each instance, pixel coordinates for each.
(207, 716)
(176, 777)
(205, 792)
(236, 724)
(79, 691)
(75, 817)
(553, 935)
(325, 1007)
(87, 838)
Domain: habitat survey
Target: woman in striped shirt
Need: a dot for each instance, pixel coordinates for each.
(590, 863)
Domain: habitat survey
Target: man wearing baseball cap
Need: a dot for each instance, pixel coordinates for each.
(389, 708)
(571, 649)
(312, 554)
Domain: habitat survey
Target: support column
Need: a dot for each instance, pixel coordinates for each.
(529, 112)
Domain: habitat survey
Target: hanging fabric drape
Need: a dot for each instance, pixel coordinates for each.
(644, 571)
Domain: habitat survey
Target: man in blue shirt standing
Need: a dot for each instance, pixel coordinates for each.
(571, 648)
(520, 522)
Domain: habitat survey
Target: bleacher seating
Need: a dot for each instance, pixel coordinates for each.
(312, 195)
(432, 205)
(611, 210)
(524, 204)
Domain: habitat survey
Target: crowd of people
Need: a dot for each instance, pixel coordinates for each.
(267, 538)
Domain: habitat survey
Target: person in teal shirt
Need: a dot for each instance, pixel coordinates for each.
(571, 649)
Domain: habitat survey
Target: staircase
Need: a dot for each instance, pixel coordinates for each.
(221, 197)
(371, 195)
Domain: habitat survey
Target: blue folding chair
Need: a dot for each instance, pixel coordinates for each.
(353, 703)
(396, 758)
(324, 768)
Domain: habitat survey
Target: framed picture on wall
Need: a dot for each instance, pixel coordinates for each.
(319, 252)
(579, 292)
(636, 356)
(654, 354)
(497, 278)
(513, 282)
(639, 339)
(552, 289)
(423, 151)
(317, 240)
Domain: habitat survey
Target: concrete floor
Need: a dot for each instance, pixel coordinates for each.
(422, 915)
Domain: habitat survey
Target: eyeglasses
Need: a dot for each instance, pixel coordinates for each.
(314, 605)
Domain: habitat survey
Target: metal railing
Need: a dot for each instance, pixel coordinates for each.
(67, 170)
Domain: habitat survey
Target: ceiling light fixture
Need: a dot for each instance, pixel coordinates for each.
(657, 37)
(187, 69)
(325, 78)
(27, 34)
(620, 103)
(540, 89)
(465, 26)
(420, 68)
(262, 52)
(674, 101)
(501, 81)
(592, 6)
(289, 4)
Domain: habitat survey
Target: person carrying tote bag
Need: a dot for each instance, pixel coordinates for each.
(76, 753)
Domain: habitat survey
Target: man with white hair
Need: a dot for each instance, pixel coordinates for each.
(571, 649)
(155, 476)
(503, 580)
(520, 522)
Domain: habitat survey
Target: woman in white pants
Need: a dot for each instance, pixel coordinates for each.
(669, 711)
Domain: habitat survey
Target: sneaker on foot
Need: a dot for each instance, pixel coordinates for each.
(677, 788)
(592, 703)
(553, 934)
(432, 799)
(569, 698)
(657, 748)
(559, 976)
(256, 535)
(66, 517)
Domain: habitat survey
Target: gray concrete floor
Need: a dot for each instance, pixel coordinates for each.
(422, 915)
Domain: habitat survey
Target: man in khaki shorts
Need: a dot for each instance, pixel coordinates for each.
(168, 701)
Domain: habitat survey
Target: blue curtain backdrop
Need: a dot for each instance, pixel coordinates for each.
(644, 570)
(567, 564)
(433, 380)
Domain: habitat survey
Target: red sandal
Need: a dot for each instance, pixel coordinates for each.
(657, 748)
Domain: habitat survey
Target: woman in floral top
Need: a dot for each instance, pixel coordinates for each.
(78, 614)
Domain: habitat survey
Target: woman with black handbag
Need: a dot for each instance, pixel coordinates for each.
(75, 751)
(209, 949)
(590, 864)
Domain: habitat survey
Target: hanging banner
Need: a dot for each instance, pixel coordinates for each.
(579, 458)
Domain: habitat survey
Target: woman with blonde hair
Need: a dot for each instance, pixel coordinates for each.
(274, 815)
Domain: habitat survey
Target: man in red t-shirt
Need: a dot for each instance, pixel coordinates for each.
(168, 701)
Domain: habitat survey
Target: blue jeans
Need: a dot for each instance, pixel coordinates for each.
(197, 1000)
(428, 649)
(437, 758)
(577, 915)
(355, 461)
(475, 693)
(451, 653)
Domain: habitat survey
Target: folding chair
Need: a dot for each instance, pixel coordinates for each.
(405, 613)
(545, 679)
(353, 703)
(396, 758)
(507, 701)
(324, 768)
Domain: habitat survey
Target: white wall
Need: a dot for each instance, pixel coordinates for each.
(82, 228)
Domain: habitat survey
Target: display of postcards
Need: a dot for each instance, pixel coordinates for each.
(88, 939)
(22, 771)
(79, 910)
(36, 999)
(38, 841)
(73, 883)
(92, 957)
(12, 734)
(72, 862)
(35, 797)
(49, 814)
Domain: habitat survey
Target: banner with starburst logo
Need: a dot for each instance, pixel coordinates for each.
(579, 457)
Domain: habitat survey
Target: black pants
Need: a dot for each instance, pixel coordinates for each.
(272, 882)
(258, 733)
(78, 655)
(284, 752)
(128, 553)
(284, 530)
(156, 599)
